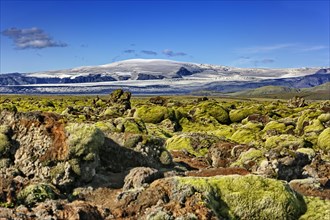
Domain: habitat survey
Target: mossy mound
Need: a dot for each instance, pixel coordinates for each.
(324, 117)
(317, 209)
(84, 140)
(247, 197)
(130, 124)
(35, 193)
(237, 115)
(284, 141)
(246, 136)
(154, 113)
(246, 158)
(158, 131)
(305, 118)
(223, 131)
(323, 142)
(201, 125)
(4, 141)
(315, 126)
(195, 143)
(308, 151)
(278, 127)
(211, 109)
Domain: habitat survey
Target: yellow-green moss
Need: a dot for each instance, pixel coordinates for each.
(34, 193)
(195, 143)
(57, 170)
(306, 117)
(284, 141)
(315, 126)
(244, 136)
(247, 197)
(237, 115)
(250, 155)
(156, 130)
(317, 209)
(203, 124)
(323, 141)
(84, 139)
(213, 109)
(4, 142)
(275, 126)
(308, 151)
(105, 126)
(223, 131)
(165, 158)
(154, 113)
(324, 117)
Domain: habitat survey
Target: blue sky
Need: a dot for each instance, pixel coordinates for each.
(50, 35)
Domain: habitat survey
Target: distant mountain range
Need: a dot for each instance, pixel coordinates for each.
(142, 76)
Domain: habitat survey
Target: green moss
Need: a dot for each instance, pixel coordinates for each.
(223, 131)
(213, 109)
(165, 158)
(35, 193)
(247, 197)
(250, 155)
(4, 141)
(9, 107)
(317, 209)
(4, 162)
(157, 131)
(4, 144)
(275, 126)
(105, 126)
(84, 139)
(323, 142)
(315, 126)
(195, 143)
(324, 117)
(203, 124)
(256, 127)
(284, 141)
(308, 151)
(75, 166)
(237, 115)
(58, 170)
(134, 125)
(131, 140)
(101, 103)
(305, 118)
(154, 113)
(244, 136)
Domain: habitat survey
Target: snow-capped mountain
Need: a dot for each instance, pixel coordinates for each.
(158, 76)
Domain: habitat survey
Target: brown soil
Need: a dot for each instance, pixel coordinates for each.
(218, 171)
(189, 160)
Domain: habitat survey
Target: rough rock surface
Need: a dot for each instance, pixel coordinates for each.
(108, 158)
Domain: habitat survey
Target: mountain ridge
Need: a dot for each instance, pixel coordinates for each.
(159, 76)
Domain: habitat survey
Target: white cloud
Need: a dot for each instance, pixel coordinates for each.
(34, 38)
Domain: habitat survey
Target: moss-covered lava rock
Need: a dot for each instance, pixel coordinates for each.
(323, 141)
(35, 193)
(247, 197)
(84, 140)
(4, 141)
(195, 143)
(154, 113)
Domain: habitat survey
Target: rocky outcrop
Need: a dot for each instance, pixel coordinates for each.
(182, 159)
